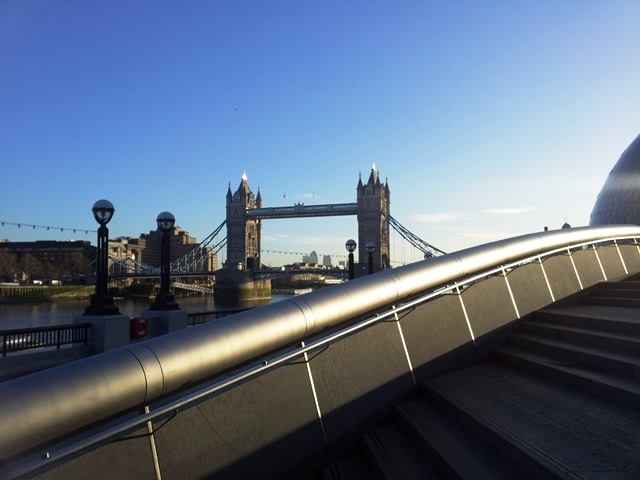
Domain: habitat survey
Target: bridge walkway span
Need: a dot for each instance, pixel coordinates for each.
(289, 387)
(303, 211)
(193, 287)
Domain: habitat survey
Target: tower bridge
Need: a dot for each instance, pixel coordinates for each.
(243, 241)
(245, 214)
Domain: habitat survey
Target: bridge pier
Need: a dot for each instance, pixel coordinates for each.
(235, 286)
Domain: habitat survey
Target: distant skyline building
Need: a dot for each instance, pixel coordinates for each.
(146, 249)
(57, 259)
(128, 247)
(313, 257)
(326, 261)
(45, 259)
(181, 244)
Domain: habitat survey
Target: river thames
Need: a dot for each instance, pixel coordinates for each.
(26, 315)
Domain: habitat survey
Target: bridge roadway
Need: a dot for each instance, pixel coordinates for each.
(157, 275)
(193, 287)
(275, 273)
(302, 211)
(271, 273)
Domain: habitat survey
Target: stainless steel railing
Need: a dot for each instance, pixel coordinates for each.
(135, 375)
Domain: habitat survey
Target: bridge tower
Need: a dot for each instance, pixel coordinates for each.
(373, 220)
(243, 234)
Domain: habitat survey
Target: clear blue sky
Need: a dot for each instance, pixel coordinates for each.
(490, 119)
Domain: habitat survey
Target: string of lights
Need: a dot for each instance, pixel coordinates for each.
(86, 231)
(4, 223)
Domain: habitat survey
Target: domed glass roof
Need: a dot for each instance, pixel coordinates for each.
(619, 199)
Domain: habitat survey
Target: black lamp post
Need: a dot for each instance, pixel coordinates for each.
(371, 247)
(164, 300)
(351, 247)
(101, 301)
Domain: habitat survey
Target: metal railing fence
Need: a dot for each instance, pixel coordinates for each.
(37, 337)
(196, 318)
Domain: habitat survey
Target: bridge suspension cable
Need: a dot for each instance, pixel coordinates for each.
(192, 262)
(197, 258)
(201, 253)
(129, 265)
(425, 247)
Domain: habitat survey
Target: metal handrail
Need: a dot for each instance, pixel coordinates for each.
(20, 339)
(425, 247)
(218, 346)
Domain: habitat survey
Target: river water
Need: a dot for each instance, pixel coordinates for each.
(27, 315)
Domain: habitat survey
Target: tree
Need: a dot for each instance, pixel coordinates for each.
(31, 265)
(8, 266)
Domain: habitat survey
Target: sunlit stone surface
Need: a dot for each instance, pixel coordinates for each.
(619, 199)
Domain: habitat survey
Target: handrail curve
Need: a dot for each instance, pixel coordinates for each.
(46, 405)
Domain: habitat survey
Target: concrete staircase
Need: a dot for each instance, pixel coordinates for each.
(561, 399)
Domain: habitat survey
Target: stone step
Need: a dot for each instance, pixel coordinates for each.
(624, 364)
(625, 284)
(353, 466)
(603, 384)
(616, 342)
(456, 451)
(620, 292)
(394, 456)
(612, 301)
(548, 430)
(610, 319)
